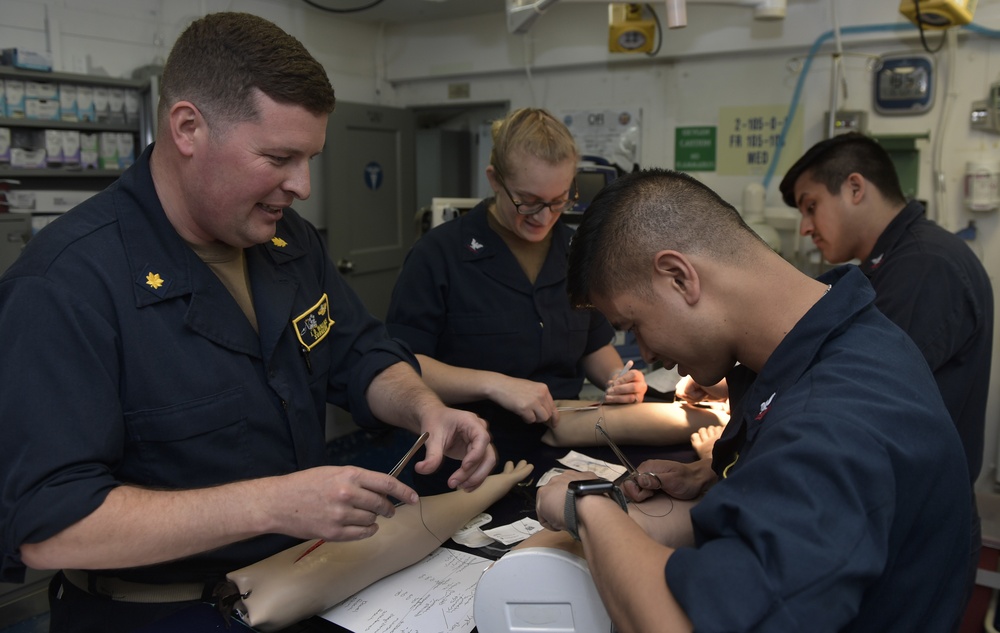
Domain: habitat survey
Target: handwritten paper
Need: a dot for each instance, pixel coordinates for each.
(435, 595)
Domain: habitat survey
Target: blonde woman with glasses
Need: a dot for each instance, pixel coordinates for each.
(482, 299)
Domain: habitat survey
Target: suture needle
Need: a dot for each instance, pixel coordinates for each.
(624, 371)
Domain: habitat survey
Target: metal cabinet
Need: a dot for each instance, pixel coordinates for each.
(15, 229)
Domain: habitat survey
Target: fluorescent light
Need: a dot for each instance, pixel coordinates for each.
(521, 14)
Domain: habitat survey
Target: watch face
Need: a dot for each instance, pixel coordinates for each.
(591, 486)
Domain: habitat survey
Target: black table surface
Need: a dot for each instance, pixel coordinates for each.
(518, 504)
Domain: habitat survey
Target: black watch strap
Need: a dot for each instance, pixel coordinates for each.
(572, 492)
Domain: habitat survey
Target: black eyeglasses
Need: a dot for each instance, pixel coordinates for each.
(531, 208)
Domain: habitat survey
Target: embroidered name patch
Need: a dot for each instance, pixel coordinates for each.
(314, 324)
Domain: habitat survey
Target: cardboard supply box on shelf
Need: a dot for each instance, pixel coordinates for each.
(108, 150)
(89, 150)
(4, 145)
(53, 148)
(28, 60)
(27, 148)
(44, 201)
(85, 103)
(14, 92)
(41, 100)
(71, 148)
(68, 110)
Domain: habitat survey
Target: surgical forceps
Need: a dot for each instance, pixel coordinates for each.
(631, 472)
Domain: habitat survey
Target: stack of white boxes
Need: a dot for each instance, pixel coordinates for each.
(31, 148)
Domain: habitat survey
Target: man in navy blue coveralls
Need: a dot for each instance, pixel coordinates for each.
(171, 346)
(926, 279)
(836, 508)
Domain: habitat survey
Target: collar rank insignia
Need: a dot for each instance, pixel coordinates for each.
(277, 241)
(314, 324)
(474, 245)
(764, 407)
(153, 282)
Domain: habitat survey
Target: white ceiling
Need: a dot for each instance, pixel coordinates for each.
(404, 11)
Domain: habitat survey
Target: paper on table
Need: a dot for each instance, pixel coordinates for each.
(435, 595)
(585, 463)
(515, 532)
(471, 535)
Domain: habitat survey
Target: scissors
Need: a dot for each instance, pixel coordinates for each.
(630, 471)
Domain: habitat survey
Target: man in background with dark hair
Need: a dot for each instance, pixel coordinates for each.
(927, 280)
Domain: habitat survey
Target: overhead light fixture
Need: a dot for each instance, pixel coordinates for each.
(521, 14)
(762, 9)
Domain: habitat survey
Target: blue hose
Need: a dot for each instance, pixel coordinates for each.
(848, 30)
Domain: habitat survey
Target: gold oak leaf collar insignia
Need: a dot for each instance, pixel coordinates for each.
(154, 281)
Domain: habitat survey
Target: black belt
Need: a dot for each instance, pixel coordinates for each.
(128, 591)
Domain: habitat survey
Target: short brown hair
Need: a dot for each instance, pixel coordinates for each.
(220, 59)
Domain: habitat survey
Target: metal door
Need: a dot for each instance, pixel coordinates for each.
(369, 191)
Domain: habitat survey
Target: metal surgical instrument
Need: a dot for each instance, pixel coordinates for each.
(398, 468)
(631, 471)
(624, 371)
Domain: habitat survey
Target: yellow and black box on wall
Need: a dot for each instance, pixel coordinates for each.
(938, 14)
(628, 30)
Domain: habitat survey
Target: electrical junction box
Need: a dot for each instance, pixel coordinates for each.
(628, 31)
(848, 121)
(939, 14)
(985, 115)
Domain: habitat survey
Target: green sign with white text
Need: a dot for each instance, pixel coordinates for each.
(694, 148)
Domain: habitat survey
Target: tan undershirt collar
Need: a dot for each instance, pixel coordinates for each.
(229, 265)
(530, 255)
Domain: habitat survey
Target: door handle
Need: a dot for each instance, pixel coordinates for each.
(345, 266)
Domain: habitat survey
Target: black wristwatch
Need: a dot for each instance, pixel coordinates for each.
(582, 487)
